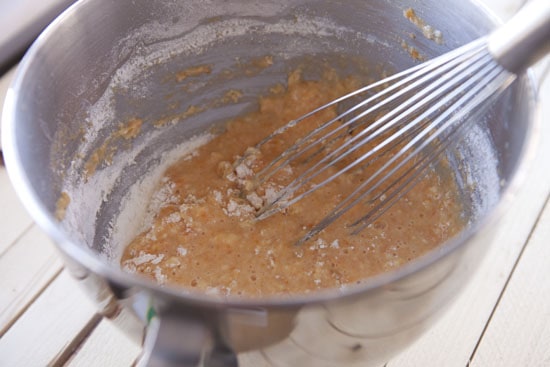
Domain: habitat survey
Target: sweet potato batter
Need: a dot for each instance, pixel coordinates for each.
(204, 234)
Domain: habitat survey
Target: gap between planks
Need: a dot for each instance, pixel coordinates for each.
(52, 327)
(106, 345)
(28, 268)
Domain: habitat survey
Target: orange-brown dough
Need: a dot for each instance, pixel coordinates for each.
(205, 236)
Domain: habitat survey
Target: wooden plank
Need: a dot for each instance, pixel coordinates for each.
(13, 216)
(27, 268)
(519, 331)
(106, 346)
(52, 327)
(5, 81)
(453, 339)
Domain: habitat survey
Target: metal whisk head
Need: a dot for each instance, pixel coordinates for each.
(402, 124)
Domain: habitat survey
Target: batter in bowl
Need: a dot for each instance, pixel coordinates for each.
(204, 235)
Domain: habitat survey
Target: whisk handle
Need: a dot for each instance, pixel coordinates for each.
(524, 39)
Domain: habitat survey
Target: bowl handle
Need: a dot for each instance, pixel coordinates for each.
(173, 339)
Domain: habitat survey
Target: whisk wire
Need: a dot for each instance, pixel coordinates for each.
(494, 81)
(411, 75)
(445, 81)
(498, 80)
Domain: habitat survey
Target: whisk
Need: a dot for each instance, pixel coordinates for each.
(406, 121)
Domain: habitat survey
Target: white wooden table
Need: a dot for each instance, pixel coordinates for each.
(501, 319)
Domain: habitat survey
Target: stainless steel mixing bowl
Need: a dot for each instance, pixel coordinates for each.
(104, 63)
